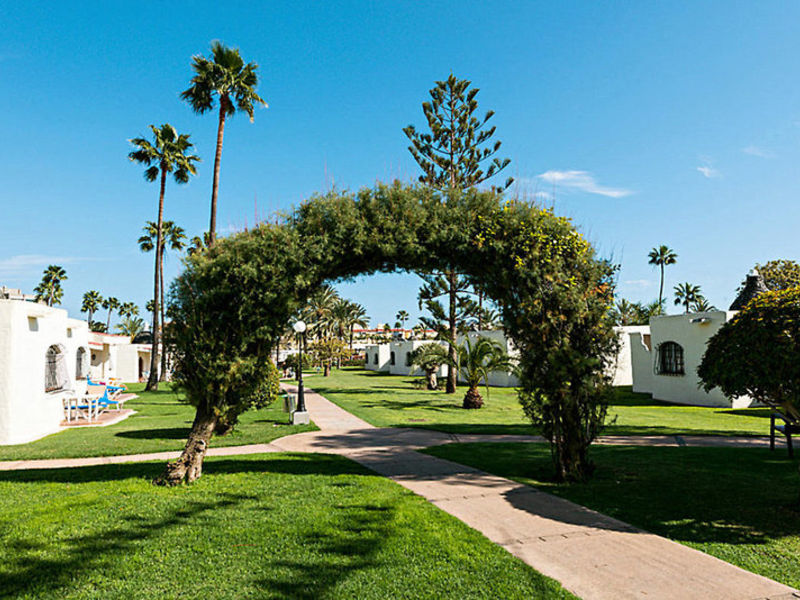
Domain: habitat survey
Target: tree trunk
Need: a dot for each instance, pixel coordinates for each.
(661, 288)
(326, 369)
(163, 374)
(473, 398)
(433, 380)
(452, 371)
(189, 466)
(571, 445)
(212, 227)
(152, 380)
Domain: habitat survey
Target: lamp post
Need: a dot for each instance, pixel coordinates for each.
(301, 418)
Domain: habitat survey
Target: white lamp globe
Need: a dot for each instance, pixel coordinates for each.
(299, 326)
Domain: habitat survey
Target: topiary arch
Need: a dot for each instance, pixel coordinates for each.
(233, 301)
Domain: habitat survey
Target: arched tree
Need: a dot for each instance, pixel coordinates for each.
(232, 301)
(168, 154)
(662, 257)
(223, 75)
(91, 303)
(452, 155)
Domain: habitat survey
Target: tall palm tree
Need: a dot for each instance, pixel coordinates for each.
(128, 310)
(225, 75)
(49, 289)
(318, 313)
(131, 326)
(402, 316)
(168, 154)
(110, 304)
(687, 294)
(357, 316)
(476, 361)
(174, 239)
(91, 303)
(661, 257)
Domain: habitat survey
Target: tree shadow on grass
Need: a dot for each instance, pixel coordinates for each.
(163, 433)
(350, 545)
(27, 573)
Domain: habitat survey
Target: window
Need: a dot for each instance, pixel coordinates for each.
(408, 359)
(375, 361)
(391, 358)
(81, 363)
(670, 359)
(55, 369)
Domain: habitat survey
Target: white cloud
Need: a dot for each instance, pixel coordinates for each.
(708, 172)
(581, 181)
(638, 283)
(30, 262)
(758, 151)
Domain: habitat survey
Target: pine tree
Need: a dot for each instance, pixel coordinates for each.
(451, 156)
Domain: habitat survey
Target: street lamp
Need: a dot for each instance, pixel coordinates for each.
(300, 328)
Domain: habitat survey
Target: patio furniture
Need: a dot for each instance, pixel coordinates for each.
(790, 426)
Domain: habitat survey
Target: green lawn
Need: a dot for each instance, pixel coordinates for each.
(393, 401)
(270, 526)
(733, 503)
(161, 423)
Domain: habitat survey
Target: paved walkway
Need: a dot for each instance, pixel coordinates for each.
(592, 555)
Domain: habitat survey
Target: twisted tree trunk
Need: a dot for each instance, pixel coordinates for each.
(189, 466)
(433, 380)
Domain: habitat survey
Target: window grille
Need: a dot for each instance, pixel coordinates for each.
(670, 359)
(55, 370)
(81, 364)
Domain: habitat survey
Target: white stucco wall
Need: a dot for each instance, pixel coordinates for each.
(401, 351)
(27, 330)
(692, 333)
(376, 358)
(623, 366)
(497, 378)
(128, 356)
(115, 356)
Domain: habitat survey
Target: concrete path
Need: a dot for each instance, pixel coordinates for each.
(592, 555)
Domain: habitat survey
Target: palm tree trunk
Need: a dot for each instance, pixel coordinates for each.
(212, 227)
(661, 287)
(163, 374)
(108, 320)
(152, 380)
(451, 370)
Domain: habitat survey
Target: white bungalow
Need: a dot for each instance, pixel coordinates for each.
(665, 358)
(44, 356)
(376, 358)
(114, 356)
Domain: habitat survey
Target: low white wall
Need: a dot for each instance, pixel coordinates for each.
(623, 365)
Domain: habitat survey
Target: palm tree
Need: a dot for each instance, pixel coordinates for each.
(626, 312)
(225, 75)
(174, 239)
(429, 357)
(196, 244)
(357, 316)
(703, 305)
(49, 289)
(167, 155)
(131, 326)
(91, 303)
(402, 316)
(476, 361)
(111, 304)
(318, 314)
(687, 294)
(661, 257)
(128, 310)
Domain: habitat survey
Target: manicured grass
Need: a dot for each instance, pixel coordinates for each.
(733, 503)
(161, 423)
(270, 526)
(393, 401)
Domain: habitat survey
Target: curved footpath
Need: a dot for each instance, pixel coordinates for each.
(590, 554)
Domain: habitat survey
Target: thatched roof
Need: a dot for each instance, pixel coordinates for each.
(752, 288)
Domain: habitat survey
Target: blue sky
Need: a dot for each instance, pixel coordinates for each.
(646, 123)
